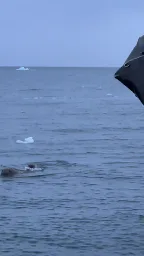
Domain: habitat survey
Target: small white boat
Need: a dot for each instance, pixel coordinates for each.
(22, 68)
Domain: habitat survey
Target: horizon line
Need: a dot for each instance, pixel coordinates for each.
(36, 66)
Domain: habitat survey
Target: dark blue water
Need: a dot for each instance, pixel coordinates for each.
(88, 130)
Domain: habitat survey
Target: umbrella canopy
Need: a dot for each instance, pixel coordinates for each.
(131, 74)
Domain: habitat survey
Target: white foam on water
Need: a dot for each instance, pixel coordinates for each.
(26, 141)
(32, 169)
(33, 98)
(37, 98)
(22, 68)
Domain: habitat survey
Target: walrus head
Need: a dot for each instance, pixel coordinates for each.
(8, 172)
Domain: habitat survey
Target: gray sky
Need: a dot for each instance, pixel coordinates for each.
(69, 32)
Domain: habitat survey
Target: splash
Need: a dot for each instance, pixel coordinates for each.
(26, 140)
(22, 68)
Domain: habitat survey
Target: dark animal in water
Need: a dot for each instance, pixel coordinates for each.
(9, 172)
(131, 74)
(31, 166)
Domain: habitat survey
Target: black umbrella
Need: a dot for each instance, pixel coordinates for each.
(131, 74)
